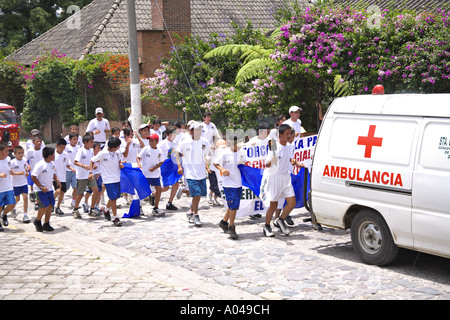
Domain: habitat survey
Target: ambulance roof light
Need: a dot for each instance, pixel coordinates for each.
(378, 89)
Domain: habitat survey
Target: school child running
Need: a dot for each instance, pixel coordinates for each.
(71, 179)
(43, 175)
(194, 150)
(34, 155)
(276, 182)
(96, 211)
(7, 200)
(110, 159)
(19, 173)
(130, 147)
(61, 165)
(168, 147)
(84, 174)
(150, 159)
(227, 163)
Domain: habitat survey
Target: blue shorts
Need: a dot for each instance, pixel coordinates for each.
(233, 196)
(113, 190)
(45, 199)
(155, 182)
(71, 180)
(7, 198)
(20, 190)
(197, 187)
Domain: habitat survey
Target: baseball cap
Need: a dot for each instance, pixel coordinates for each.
(294, 109)
(195, 125)
(153, 136)
(144, 125)
(98, 110)
(34, 132)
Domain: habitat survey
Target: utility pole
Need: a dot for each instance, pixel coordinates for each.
(135, 83)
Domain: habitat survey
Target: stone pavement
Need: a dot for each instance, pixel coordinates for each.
(166, 258)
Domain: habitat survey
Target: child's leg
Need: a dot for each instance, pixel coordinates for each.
(270, 211)
(157, 195)
(195, 202)
(113, 205)
(290, 205)
(48, 213)
(60, 199)
(232, 216)
(173, 192)
(95, 194)
(226, 216)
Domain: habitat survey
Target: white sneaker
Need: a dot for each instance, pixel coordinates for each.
(179, 192)
(25, 219)
(158, 212)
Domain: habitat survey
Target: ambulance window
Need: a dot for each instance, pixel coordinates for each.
(435, 151)
(382, 140)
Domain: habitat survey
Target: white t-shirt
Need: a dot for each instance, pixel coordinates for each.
(168, 148)
(133, 150)
(109, 165)
(30, 145)
(71, 152)
(149, 158)
(5, 167)
(103, 125)
(209, 131)
(44, 172)
(296, 125)
(230, 160)
(18, 166)
(61, 162)
(34, 156)
(194, 152)
(83, 156)
(284, 155)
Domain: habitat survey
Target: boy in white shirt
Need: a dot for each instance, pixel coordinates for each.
(110, 165)
(19, 172)
(43, 175)
(159, 127)
(168, 147)
(34, 155)
(150, 159)
(276, 182)
(84, 174)
(227, 163)
(29, 144)
(194, 151)
(7, 200)
(75, 129)
(71, 179)
(61, 165)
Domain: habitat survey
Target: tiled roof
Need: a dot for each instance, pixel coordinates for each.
(418, 5)
(104, 25)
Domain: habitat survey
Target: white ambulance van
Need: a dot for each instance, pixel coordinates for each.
(381, 168)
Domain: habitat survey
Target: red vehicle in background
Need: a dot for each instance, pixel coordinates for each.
(9, 126)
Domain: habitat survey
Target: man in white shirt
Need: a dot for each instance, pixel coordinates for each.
(99, 126)
(294, 120)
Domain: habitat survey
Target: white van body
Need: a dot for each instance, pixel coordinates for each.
(386, 156)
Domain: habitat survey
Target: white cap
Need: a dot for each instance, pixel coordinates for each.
(144, 125)
(195, 125)
(98, 110)
(294, 109)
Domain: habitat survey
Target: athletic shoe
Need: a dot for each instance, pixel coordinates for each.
(85, 207)
(58, 211)
(289, 221)
(106, 213)
(38, 225)
(210, 199)
(36, 206)
(25, 219)
(282, 225)
(76, 213)
(47, 227)
(158, 212)
(179, 192)
(216, 203)
(94, 212)
(197, 221)
(255, 216)
(13, 213)
(117, 222)
(267, 230)
(223, 225)
(170, 206)
(5, 220)
(232, 232)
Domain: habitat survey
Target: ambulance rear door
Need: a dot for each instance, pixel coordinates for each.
(431, 188)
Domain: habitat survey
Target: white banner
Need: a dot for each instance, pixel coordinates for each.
(256, 154)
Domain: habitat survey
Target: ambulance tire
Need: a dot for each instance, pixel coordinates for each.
(372, 239)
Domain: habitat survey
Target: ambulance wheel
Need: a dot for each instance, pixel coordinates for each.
(372, 239)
